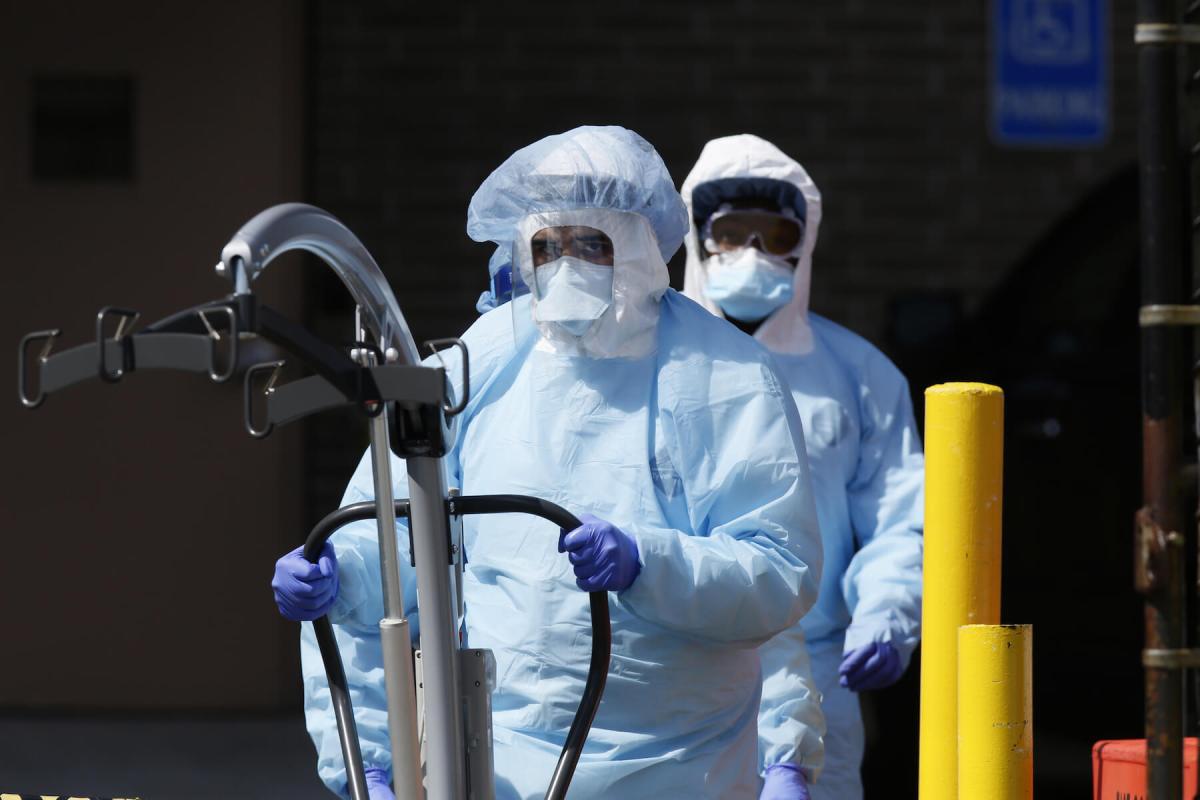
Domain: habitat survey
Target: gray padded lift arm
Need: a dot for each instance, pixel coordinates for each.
(298, 226)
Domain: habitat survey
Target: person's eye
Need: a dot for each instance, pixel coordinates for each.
(546, 249)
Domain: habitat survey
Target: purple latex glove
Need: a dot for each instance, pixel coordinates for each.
(872, 666)
(604, 556)
(784, 782)
(377, 784)
(303, 590)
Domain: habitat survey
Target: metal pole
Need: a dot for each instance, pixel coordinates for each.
(1160, 551)
(995, 712)
(389, 557)
(399, 682)
(429, 526)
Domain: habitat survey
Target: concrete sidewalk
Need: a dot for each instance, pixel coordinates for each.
(159, 758)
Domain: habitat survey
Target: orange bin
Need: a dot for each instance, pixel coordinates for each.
(1119, 769)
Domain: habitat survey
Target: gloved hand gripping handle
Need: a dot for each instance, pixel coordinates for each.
(593, 690)
(335, 672)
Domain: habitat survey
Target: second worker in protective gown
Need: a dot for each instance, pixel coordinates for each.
(755, 214)
(611, 395)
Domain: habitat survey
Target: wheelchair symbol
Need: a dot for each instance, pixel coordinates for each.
(1050, 32)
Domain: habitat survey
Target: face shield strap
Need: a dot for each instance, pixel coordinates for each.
(502, 284)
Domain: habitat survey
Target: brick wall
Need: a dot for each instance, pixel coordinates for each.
(411, 106)
(885, 103)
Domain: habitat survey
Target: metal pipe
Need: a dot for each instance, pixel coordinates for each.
(400, 685)
(429, 527)
(964, 459)
(296, 226)
(394, 640)
(1160, 551)
(995, 712)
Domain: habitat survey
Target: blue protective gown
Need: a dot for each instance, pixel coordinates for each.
(868, 476)
(696, 451)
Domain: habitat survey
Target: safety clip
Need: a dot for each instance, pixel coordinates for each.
(232, 356)
(268, 389)
(22, 387)
(128, 319)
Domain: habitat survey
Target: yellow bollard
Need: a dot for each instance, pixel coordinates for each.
(995, 712)
(964, 457)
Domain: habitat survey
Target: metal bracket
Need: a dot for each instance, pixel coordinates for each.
(1166, 33)
(49, 336)
(1151, 551)
(477, 671)
(368, 356)
(248, 388)
(128, 319)
(221, 377)
(433, 344)
(403, 385)
(1156, 315)
(1163, 658)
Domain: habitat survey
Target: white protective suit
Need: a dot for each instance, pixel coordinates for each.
(662, 420)
(868, 476)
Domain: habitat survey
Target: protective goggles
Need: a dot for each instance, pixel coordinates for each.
(777, 233)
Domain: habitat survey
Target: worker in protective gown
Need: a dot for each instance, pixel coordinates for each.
(794, 735)
(666, 431)
(755, 213)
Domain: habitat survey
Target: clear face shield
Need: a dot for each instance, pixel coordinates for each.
(584, 270)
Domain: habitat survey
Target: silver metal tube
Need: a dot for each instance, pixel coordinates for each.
(296, 226)
(429, 528)
(385, 514)
(393, 628)
(394, 637)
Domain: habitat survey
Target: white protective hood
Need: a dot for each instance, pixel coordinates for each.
(745, 155)
(628, 327)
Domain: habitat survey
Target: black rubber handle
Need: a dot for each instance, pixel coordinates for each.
(331, 657)
(593, 689)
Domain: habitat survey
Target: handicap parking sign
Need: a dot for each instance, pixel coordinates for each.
(1050, 72)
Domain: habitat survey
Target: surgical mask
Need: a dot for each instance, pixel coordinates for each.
(748, 284)
(573, 293)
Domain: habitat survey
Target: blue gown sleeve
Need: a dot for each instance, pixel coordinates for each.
(791, 726)
(751, 563)
(882, 583)
(356, 614)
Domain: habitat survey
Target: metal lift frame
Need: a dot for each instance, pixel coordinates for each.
(411, 412)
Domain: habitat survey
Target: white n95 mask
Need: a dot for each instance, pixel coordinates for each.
(572, 293)
(583, 308)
